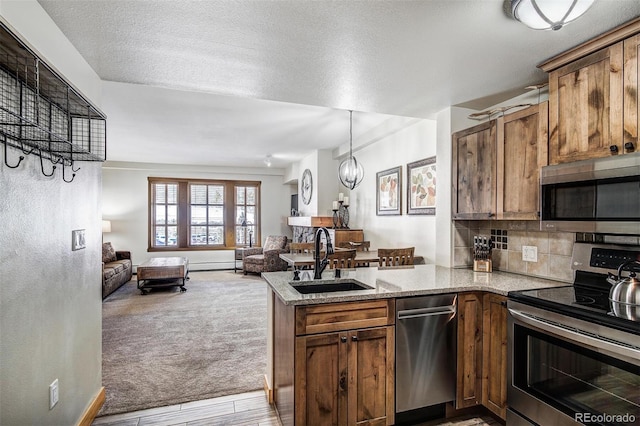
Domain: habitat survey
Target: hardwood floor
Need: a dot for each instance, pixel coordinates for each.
(246, 409)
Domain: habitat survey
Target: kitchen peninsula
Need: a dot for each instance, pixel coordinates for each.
(332, 354)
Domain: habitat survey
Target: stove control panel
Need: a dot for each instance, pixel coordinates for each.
(607, 258)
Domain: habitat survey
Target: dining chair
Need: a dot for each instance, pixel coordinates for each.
(396, 256)
(342, 259)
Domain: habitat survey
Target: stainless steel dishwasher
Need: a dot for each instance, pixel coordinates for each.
(425, 351)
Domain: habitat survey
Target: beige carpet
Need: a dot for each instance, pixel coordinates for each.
(170, 347)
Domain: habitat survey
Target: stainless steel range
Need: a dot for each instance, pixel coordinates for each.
(572, 359)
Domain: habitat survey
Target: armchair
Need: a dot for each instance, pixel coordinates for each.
(267, 257)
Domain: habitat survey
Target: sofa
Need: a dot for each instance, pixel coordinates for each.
(117, 269)
(267, 257)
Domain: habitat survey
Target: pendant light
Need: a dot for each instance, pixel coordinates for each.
(548, 14)
(350, 171)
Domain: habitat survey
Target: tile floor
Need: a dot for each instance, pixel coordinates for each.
(246, 409)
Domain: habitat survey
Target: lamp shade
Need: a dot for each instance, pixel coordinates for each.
(548, 14)
(106, 226)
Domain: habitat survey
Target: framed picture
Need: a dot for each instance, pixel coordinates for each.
(421, 187)
(388, 193)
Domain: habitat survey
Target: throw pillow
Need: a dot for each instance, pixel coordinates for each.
(108, 253)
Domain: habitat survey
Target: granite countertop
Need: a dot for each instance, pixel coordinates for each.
(416, 280)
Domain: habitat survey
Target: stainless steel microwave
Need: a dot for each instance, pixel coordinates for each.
(600, 195)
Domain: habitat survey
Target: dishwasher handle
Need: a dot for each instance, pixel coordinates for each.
(426, 312)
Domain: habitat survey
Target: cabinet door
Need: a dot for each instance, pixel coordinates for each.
(494, 354)
(474, 172)
(321, 379)
(585, 107)
(371, 376)
(469, 363)
(521, 151)
(631, 104)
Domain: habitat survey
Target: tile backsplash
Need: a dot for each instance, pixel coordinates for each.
(553, 248)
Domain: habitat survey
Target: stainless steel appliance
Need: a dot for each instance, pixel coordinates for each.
(600, 195)
(425, 351)
(571, 359)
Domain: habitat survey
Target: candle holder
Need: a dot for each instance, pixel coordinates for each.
(344, 216)
(336, 219)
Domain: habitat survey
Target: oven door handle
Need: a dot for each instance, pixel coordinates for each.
(620, 349)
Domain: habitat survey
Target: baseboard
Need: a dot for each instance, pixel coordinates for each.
(92, 411)
(267, 390)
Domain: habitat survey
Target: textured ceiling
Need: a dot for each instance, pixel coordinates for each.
(380, 58)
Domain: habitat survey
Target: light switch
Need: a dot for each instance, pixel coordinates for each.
(530, 253)
(77, 239)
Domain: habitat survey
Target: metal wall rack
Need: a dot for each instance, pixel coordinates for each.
(41, 114)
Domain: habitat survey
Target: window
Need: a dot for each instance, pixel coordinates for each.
(193, 214)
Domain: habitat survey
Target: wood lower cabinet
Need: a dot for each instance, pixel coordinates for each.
(346, 235)
(342, 371)
(494, 354)
(469, 362)
(482, 352)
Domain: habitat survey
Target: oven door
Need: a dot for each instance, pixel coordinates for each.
(565, 371)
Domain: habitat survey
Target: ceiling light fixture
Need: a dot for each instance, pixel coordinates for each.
(267, 161)
(350, 171)
(548, 14)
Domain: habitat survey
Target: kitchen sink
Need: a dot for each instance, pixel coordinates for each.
(329, 286)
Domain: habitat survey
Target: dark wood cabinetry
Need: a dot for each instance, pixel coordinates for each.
(346, 235)
(482, 352)
(338, 363)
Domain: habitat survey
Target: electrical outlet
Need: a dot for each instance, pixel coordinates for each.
(53, 394)
(530, 253)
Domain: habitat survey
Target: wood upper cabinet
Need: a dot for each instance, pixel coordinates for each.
(585, 107)
(593, 96)
(494, 353)
(469, 362)
(631, 104)
(482, 352)
(474, 172)
(344, 368)
(496, 166)
(521, 152)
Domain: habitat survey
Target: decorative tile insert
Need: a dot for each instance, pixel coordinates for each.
(499, 237)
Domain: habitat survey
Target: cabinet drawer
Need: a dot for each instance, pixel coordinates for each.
(344, 316)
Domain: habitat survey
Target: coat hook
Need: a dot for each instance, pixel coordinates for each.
(5, 157)
(59, 160)
(73, 175)
(72, 169)
(23, 150)
(42, 166)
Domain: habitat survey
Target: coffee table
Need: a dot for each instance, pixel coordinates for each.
(163, 272)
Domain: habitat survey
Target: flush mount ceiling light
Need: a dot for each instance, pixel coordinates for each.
(350, 171)
(267, 161)
(548, 14)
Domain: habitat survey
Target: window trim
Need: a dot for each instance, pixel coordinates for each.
(184, 208)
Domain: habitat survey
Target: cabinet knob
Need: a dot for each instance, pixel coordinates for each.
(354, 338)
(629, 147)
(613, 149)
(504, 303)
(343, 339)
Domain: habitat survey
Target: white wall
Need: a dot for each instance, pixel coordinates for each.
(125, 198)
(50, 296)
(413, 143)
